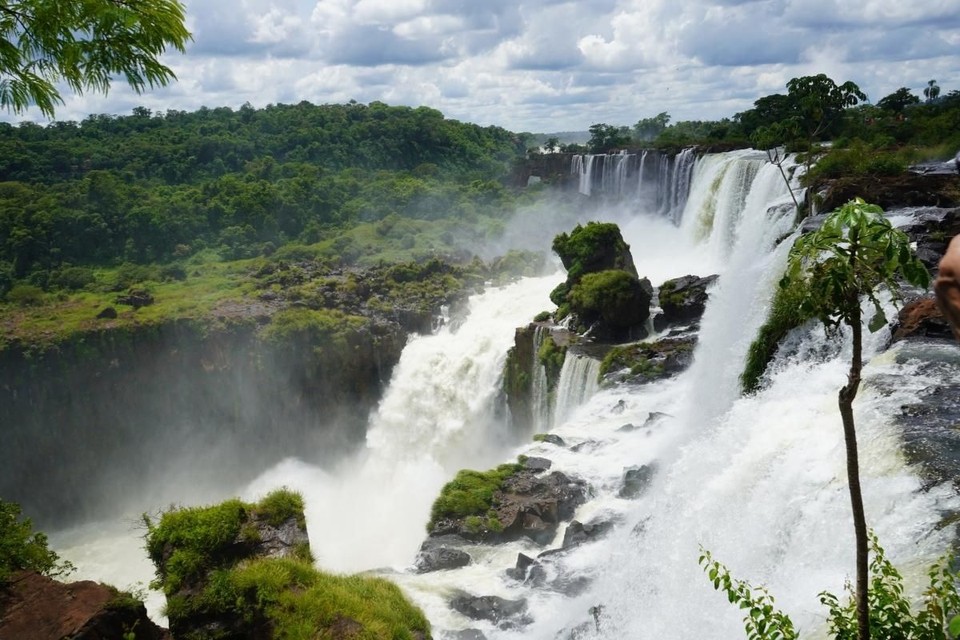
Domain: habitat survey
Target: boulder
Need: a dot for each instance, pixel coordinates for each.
(533, 506)
(136, 298)
(440, 558)
(500, 611)
(526, 503)
(533, 463)
(465, 634)
(35, 607)
(578, 533)
(682, 300)
(635, 481)
(108, 313)
(527, 570)
(921, 318)
(643, 362)
(550, 438)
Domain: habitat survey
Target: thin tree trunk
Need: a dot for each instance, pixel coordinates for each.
(846, 396)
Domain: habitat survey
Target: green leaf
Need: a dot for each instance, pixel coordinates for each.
(954, 627)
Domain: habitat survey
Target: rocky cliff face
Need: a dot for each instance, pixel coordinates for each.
(92, 421)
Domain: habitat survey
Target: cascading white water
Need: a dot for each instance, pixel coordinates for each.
(578, 382)
(437, 416)
(758, 480)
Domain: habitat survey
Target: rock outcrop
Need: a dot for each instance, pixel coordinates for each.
(506, 504)
(603, 292)
(645, 362)
(920, 318)
(682, 301)
(35, 607)
(239, 570)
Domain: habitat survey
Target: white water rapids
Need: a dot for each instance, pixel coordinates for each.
(758, 480)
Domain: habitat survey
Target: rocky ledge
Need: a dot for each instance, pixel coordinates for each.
(36, 607)
(507, 503)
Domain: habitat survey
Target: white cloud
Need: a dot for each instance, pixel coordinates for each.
(545, 65)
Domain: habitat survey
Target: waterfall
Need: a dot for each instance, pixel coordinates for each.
(759, 480)
(539, 388)
(578, 382)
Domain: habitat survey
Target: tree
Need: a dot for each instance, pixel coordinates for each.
(21, 549)
(898, 100)
(649, 128)
(931, 91)
(83, 44)
(818, 102)
(605, 137)
(855, 252)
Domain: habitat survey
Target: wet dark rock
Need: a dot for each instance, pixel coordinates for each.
(682, 300)
(108, 313)
(491, 608)
(528, 504)
(654, 418)
(527, 570)
(644, 362)
(136, 298)
(534, 463)
(891, 192)
(578, 533)
(586, 446)
(551, 439)
(932, 230)
(533, 506)
(464, 634)
(635, 481)
(440, 559)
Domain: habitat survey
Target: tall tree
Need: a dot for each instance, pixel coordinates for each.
(83, 44)
(851, 256)
(898, 100)
(931, 91)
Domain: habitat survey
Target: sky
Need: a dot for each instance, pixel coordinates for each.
(543, 65)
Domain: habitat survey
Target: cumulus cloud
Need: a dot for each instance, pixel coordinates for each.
(545, 65)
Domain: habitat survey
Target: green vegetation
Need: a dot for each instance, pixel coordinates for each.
(299, 602)
(470, 493)
(596, 246)
(633, 357)
(854, 253)
(84, 45)
(349, 182)
(208, 570)
(22, 549)
(551, 356)
(868, 139)
(279, 506)
(785, 314)
(890, 612)
(615, 297)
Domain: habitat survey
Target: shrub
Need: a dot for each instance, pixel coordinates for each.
(615, 297)
(890, 612)
(26, 295)
(22, 549)
(470, 493)
(597, 246)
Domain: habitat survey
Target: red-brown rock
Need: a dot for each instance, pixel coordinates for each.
(921, 318)
(35, 607)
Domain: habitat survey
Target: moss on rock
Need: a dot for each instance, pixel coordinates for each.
(241, 570)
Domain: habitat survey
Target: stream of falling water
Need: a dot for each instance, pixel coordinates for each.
(758, 480)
